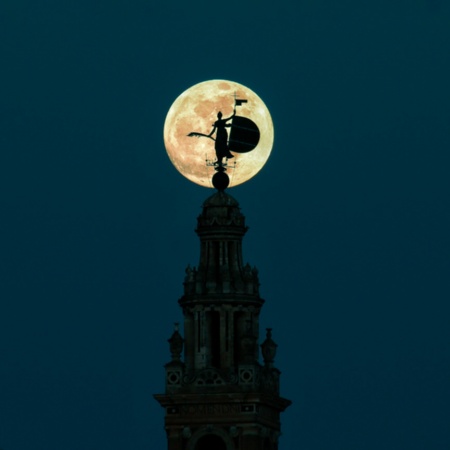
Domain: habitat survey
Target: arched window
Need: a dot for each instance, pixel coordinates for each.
(215, 338)
(211, 442)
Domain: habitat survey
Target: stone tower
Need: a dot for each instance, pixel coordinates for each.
(218, 395)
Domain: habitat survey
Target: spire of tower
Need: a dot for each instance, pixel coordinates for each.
(221, 227)
(220, 392)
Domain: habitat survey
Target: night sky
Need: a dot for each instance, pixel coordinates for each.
(349, 219)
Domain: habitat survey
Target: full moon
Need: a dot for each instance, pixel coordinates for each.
(196, 111)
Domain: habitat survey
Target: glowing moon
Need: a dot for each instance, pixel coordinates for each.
(195, 110)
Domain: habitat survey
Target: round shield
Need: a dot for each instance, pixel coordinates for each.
(244, 135)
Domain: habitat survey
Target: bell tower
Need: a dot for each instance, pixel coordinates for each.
(219, 394)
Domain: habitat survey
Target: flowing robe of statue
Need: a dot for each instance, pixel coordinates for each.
(221, 144)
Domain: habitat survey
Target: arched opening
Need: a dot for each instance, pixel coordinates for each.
(215, 338)
(239, 329)
(211, 442)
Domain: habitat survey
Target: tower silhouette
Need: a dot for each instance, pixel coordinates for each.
(219, 396)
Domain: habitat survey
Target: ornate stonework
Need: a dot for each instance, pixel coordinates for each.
(219, 395)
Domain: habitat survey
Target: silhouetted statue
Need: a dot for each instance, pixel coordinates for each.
(244, 134)
(221, 145)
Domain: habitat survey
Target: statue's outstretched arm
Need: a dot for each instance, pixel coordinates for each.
(234, 113)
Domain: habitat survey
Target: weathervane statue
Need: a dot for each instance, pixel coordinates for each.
(244, 136)
(236, 135)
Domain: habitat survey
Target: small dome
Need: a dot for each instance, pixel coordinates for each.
(220, 198)
(222, 209)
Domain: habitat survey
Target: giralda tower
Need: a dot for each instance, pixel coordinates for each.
(219, 393)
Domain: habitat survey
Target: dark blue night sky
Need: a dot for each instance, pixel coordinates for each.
(349, 220)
